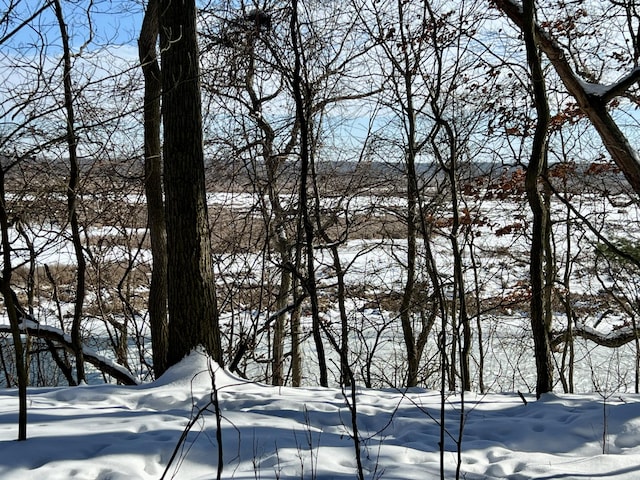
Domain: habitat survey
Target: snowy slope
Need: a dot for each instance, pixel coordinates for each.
(113, 432)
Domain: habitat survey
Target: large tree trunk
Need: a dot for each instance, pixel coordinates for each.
(193, 316)
(153, 187)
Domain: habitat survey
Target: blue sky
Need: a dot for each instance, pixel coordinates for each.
(29, 60)
(104, 22)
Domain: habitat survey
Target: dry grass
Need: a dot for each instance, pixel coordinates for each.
(106, 202)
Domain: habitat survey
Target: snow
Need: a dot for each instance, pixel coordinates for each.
(594, 89)
(600, 90)
(115, 432)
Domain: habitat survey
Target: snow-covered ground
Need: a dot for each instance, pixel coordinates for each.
(116, 433)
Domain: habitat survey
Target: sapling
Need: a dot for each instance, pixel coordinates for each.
(196, 417)
(605, 390)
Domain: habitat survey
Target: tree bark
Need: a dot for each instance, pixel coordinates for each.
(537, 164)
(9, 301)
(147, 45)
(193, 315)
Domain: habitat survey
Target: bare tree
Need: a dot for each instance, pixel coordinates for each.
(147, 46)
(253, 42)
(300, 86)
(12, 306)
(540, 305)
(593, 98)
(51, 113)
(72, 196)
(403, 45)
(584, 75)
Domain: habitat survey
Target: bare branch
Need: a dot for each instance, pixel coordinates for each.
(101, 363)
(591, 101)
(613, 339)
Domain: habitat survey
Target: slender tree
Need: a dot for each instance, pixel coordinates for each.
(10, 301)
(303, 115)
(255, 54)
(537, 165)
(593, 99)
(147, 46)
(404, 49)
(72, 195)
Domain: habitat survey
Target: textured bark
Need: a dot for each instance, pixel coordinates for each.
(193, 316)
(147, 44)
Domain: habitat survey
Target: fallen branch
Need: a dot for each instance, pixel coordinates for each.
(614, 339)
(103, 364)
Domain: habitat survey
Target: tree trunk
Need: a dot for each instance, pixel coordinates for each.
(459, 291)
(72, 198)
(302, 114)
(193, 315)
(153, 187)
(539, 243)
(9, 301)
(296, 338)
(275, 216)
(406, 306)
(346, 374)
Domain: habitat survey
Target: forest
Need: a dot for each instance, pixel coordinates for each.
(378, 194)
